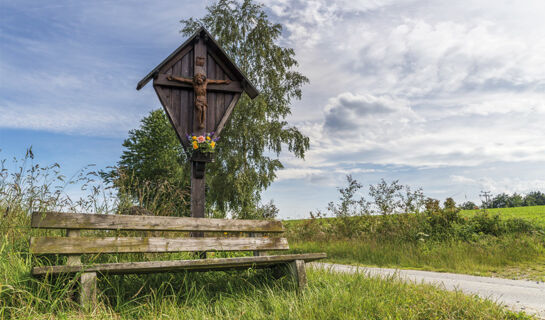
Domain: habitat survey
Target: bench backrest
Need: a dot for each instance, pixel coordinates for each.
(76, 244)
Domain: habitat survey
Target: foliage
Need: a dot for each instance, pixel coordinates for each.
(534, 198)
(504, 200)
(348, 206)
(439, 238)
(154, 160)
(267, 211)
(243, 167)
(468, 205)
(353, 219)
(247, 158)
(384, 196)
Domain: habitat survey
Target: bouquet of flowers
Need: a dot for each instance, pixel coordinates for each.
(203, 143)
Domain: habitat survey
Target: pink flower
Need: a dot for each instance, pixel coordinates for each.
(200, 139)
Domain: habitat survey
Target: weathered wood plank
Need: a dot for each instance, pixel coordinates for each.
(175, 99)
(227, 114)
(175, 59)
(164, 97)
(62, 245)
(256, 234)
(222, 65)
(180, 265)
(65, 220)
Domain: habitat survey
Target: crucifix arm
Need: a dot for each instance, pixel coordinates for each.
(219, 81)
(180, 79)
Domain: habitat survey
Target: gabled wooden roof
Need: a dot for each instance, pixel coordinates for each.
(247, 86)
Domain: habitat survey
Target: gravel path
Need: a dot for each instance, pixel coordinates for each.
(518, 295)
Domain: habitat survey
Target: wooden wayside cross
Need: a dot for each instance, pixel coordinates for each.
(198, 86)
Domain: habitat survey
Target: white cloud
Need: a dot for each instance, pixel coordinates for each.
(501, 184)
(394, 84)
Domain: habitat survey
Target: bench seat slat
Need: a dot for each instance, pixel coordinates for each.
(64, 220)
(75, 245)
(180, 265)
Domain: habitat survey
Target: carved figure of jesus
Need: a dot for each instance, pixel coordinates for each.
(199, 83)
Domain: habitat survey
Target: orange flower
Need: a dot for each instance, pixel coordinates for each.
(213, 144)
(195, 145)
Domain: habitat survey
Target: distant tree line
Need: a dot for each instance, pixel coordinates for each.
(504, 200)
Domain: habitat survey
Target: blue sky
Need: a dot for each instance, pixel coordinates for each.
(449, 96)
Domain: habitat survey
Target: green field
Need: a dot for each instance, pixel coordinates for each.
(535, 214)
(512, 257)
(508, 243)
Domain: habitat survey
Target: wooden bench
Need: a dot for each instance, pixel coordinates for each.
(74, 245)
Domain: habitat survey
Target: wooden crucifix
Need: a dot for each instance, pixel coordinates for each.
(198, 86)
(199, 82)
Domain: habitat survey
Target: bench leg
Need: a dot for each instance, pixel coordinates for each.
(88, 293)
(298, 273)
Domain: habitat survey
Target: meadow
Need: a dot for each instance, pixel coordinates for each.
(534, 214)
(486, 244)
(251, 294)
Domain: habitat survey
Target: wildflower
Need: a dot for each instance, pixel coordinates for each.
(200, 139)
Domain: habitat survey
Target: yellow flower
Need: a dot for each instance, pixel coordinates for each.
(195, 145)
(194, 138)
(207, 138)
(213, 144)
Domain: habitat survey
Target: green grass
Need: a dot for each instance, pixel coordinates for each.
(252, 294)
(507, 243)
(247, 295)
(515, 257)
(534, 214)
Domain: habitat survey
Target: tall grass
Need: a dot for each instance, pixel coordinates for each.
(520, 255)
(250, 294)
(443, 240)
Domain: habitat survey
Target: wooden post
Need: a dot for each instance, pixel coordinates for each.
(73, 259)
(298, 273)
(197, 204)
(198, 185)
(88, 280)
(88, 293)
(257, 253)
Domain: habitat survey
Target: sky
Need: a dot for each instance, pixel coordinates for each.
(444, 95)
